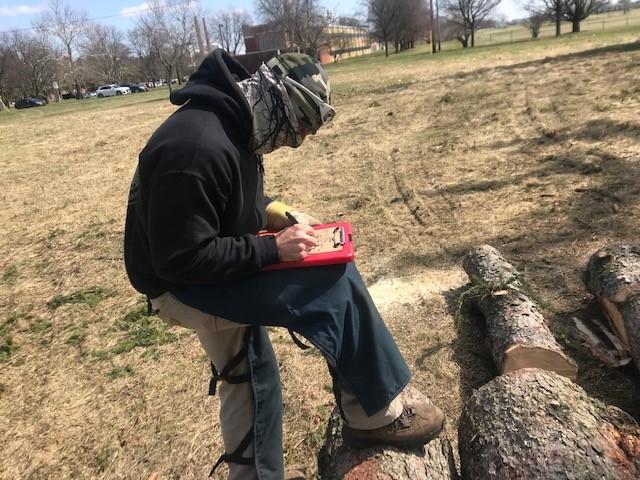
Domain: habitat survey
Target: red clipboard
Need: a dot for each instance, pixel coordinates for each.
(335, 246)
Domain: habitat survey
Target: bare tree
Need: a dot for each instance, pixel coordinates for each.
(226, 28)
(167, 30)
(577, 10)
(35, 64)
(66, 25)
(303, 22)
(554, 9)
(105, 54)
(468, 14)
(410, 23)
(536, 17)
(7, 66)
(144, 62)
(626, 6)
(382, 16)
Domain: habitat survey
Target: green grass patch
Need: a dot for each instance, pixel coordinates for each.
(56, 232)
(76, 339)
(41, 326)
(10, 275)
(101, 355)
(90, 296)
(119, 372)
(7, 347)
(141, 330)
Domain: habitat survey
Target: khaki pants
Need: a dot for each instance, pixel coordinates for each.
(221, 340)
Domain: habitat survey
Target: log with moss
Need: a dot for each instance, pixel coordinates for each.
(532, 423)
(518, 334)
(613, 276)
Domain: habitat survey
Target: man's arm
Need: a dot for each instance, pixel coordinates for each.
(183, 230)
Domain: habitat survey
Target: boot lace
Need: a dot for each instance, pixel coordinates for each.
(405, 419)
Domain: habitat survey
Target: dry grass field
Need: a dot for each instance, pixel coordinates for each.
(594, 23)
(533, 148)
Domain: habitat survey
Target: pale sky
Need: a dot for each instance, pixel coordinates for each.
(18, 14)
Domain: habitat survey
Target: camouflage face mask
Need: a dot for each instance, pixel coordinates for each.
(275, 124)
(308, 86)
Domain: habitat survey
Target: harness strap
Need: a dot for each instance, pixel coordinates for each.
(297, 341)
(226, 371)
(236, 455)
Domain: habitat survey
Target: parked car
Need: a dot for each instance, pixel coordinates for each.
(30, 102)
(135, 87)
(112, 90)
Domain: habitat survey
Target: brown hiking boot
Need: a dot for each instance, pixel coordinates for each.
(294, 475)
(420, 422)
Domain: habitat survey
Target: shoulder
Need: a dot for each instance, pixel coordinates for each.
(193, 141)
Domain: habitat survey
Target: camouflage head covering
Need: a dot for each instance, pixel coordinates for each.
(275, 124)
(308, 87)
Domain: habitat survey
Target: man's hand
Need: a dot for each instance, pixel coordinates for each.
(294, 242)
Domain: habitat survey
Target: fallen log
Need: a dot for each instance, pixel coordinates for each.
(518, 334)
(613, 276)
(532, 423)
(337, 461)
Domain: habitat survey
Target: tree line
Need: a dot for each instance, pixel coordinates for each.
(65, 48)
(574, 11)
(394, 21)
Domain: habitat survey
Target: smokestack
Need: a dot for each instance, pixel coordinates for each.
(199, 35)
(206, 35)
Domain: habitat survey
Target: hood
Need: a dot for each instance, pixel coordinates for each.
(214, 85)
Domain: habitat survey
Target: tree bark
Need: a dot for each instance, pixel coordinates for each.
(558, 22)
(576, 26)
(518, 334)
(534, 424)
(613, 276)
(336, 461)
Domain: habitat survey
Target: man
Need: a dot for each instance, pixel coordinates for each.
(195, 207)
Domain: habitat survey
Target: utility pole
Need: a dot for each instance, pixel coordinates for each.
(199, 35)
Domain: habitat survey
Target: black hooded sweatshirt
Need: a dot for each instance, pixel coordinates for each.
(196, 200)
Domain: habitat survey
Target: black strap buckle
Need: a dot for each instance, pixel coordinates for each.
(236, 455)
(226, 371)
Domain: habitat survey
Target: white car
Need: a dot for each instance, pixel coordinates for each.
(111, 90)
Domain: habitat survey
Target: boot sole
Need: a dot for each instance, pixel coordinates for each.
(404, 445)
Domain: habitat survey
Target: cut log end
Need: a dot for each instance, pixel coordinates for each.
(522, 356)
(613, 272)
(518, 334)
